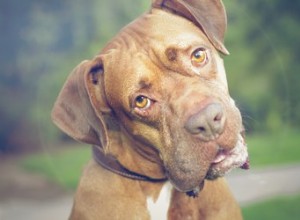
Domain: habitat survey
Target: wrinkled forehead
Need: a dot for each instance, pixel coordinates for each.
(157, 29)
(138, 50)
(170, 29)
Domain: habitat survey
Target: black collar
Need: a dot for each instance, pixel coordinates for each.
(112, 164)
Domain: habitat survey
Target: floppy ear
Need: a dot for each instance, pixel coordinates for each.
(74, 110)
(209, 15)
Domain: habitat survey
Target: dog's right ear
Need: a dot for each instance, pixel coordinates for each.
(74, 110)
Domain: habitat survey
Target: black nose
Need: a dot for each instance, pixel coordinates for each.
(208, 123)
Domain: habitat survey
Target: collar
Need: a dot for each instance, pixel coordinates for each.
(112, 164)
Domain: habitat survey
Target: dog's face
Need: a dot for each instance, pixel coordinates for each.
(162, 85)
(163, 81)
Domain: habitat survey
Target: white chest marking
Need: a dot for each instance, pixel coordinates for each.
(159, 209)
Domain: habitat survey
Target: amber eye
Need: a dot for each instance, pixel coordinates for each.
(199, 57)
(142, 102)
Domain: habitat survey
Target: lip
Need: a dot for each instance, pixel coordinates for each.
(227, 160)
(221, 155)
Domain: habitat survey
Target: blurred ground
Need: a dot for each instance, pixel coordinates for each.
(257, 185)
(30, 197)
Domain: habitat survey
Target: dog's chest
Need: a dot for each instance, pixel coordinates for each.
(159, 208)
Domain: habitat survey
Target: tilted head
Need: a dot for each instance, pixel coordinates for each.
(158, 93)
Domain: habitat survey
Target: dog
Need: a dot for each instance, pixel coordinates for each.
(154, 103)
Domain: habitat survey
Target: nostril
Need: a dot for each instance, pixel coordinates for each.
(218, 117)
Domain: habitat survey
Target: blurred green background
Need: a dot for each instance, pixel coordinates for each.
(41, 42)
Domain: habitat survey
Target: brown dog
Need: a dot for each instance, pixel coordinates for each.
(155, 105)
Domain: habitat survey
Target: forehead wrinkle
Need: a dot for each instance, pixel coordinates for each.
(145, 83)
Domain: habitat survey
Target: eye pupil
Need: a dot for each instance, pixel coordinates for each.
(198, 54)
(140, 99)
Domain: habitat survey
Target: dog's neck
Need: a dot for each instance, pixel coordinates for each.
(135, 155)
(112, 164)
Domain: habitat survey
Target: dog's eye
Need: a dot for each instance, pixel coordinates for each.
(199, 57)
(142, 102)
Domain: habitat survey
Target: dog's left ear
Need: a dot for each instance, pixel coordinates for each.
(209, 15)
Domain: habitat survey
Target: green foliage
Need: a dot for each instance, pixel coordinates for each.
(274, 148)
(263, 67)
(64, 167)
(276, 209)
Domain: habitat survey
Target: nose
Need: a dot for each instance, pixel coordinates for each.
(208, 123)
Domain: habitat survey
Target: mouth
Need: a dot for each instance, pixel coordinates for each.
(227, 160)
(224, 162)
(191, 163)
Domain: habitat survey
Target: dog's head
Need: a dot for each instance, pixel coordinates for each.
(159, 90)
